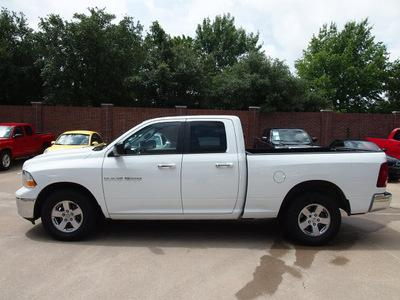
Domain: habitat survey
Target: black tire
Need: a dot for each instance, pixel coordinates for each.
(68, 215)
(312, 219)
(5, 160)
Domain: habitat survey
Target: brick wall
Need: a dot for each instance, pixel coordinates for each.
(112, 121)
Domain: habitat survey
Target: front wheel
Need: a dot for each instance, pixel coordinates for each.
(312, 219)
(5, 160)
(68, 215)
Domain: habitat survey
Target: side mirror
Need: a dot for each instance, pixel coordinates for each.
(18, 135)
(118, 149)
(95, 144)
(264, 139)
(314, 139)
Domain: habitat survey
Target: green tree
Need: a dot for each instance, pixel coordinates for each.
(171, 73)
(220, 44)
(257, 80)
(86, 62)
(393, 89)
(348, 66)
(20, 81)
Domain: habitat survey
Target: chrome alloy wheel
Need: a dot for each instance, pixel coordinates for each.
(6, 160)
(67, 216)
(314, 220)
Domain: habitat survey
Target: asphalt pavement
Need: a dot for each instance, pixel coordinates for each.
(197, 260)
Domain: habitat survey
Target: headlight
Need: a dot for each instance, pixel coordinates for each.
(27, 179)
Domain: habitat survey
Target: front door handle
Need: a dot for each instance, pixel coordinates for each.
(224, 165)
(166, 166)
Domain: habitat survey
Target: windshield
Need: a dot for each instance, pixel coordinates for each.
(290, 137)
(362, 145)
(5, 131)
(73, 139)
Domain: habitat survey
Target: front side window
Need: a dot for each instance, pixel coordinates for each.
(397, 135)
(160, 138)
(207, 137)
(97, 138)
(18, 132)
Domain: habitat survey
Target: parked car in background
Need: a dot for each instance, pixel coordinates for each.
(21, 140)
(76, 139)
(391, 145)
(346, 144)
(287, 138)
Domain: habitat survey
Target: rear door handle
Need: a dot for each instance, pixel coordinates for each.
(224, 165)
(166, 166)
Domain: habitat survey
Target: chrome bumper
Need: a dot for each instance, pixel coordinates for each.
(380, 201)
(26, 207)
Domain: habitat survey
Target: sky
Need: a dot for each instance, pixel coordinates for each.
(285, 27)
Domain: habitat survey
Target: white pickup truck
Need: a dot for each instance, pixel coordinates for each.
(197, 167)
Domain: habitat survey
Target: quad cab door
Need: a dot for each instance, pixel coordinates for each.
(20, 147)
(145, 179)
(210, 168)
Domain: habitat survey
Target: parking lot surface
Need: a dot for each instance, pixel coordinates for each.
(197, 260)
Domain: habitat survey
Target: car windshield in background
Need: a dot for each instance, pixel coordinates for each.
(290, 137)
(362, 145)
(73, 139)
(5, 132)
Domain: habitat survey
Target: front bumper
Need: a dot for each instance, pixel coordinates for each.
(26, 203)
(380, 201)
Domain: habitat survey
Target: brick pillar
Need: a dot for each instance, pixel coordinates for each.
(326, 127)
(396, 119)
(181, 110)
(253, 127)
(107, 120)
(37, 116)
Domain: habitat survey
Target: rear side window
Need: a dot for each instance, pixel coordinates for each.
(28, 130)
(207, 137)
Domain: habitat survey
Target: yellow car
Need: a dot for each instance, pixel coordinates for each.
(76, 139)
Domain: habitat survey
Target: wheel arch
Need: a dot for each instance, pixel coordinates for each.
(7, 149)
(320, 186)
(60, 186)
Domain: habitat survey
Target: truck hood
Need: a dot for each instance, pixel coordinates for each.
(59, 156)
(4, 140)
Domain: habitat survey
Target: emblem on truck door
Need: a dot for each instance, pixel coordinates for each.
(120, 179)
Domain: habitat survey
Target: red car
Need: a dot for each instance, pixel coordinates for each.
(391, 145)
(21, 140)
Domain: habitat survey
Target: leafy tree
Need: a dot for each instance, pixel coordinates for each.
(221, 44)
(19, 78)
(170, 74)
(393, 89)
(258, 80)
(348, 66)
(87, 61)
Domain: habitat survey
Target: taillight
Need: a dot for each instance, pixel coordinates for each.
(383, 175)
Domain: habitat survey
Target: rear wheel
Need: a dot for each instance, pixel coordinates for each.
(5, 160)
(312, 219)
(68, 215)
